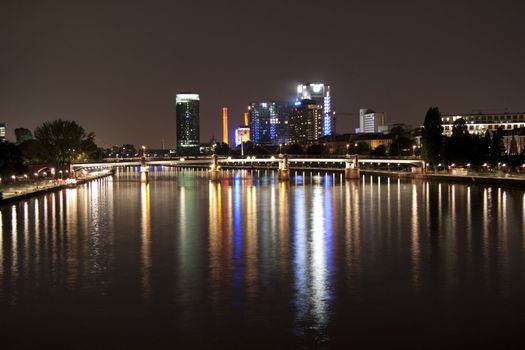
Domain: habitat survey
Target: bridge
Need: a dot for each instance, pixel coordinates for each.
(283, 163)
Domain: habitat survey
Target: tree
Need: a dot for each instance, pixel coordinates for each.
(31, 151)
(432, 136)
(459, 147)
(379, 151)
(22, 135)
(10, 159)
(294, 149)
(63, 141)
(222, 148)
(316, 149)
(513, 146)
(363, 148)
(497, 146)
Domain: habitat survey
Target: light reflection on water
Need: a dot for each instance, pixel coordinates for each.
(297, 260)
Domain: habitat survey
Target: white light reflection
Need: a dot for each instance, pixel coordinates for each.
(145, 239)
(486, 219)
(318, 260)
(415, 249)
(26, 236)
(14, 242)
(300, 259)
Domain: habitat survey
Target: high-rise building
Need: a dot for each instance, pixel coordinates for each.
(225, 124)
(2, 131)
(320, 93)
(269, 122)
(306, 122)
(188, 131)
(371, 121)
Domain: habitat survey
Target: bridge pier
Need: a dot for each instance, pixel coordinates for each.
(144, 170)
(283, 173)
(215, 173)
(352, 169)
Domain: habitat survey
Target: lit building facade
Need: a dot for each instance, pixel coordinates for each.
(268, 122)
(2, 132)
(371, 121)
(320, 93)
(479, 123)
(306, 122)
(188, 128)
(242, 134)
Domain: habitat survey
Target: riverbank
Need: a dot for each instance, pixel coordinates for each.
(15, 193)
(507, 181)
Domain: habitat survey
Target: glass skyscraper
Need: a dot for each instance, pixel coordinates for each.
(320, 93)
(188, 131)
(306, 122)
(269, 122)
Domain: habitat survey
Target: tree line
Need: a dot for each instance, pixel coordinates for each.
(55, 143)
(462, 147)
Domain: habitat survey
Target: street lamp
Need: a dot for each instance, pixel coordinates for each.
(347, 149)
(413, 150)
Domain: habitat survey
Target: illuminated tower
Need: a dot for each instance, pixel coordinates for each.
(320, 93)
(225, 124)
(188, 131)
(306, 122)
(269, 122)
(246, 119)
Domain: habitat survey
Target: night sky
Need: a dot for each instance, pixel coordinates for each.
(115, 66)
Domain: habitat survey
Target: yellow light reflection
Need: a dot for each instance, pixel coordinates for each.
(251, 240)
(284, 251)
(72, 247)
(215, 233)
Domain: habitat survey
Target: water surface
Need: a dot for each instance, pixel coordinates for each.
(319, 262)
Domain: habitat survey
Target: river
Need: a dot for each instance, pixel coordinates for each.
(252, 262)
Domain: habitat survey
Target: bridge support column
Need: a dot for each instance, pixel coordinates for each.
(215, 173)
(144, 170)
(352, 169)
(283, 173)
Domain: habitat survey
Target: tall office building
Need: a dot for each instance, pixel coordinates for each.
(320, 93)
(269, 122)
(306, 122)
(371, 121)
(2, 131)
(225, 124)
(188, 132)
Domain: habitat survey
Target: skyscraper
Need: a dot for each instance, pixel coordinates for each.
(269, 122)
(371, 121)
(188, 132)
(2, 131)
(320, 93)
(306, 122)
(225, 124)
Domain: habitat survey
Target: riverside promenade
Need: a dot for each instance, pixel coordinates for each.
(16, 191)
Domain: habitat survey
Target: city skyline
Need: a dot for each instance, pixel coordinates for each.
(119, 77)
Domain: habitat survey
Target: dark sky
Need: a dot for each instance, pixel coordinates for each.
(115, 66)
